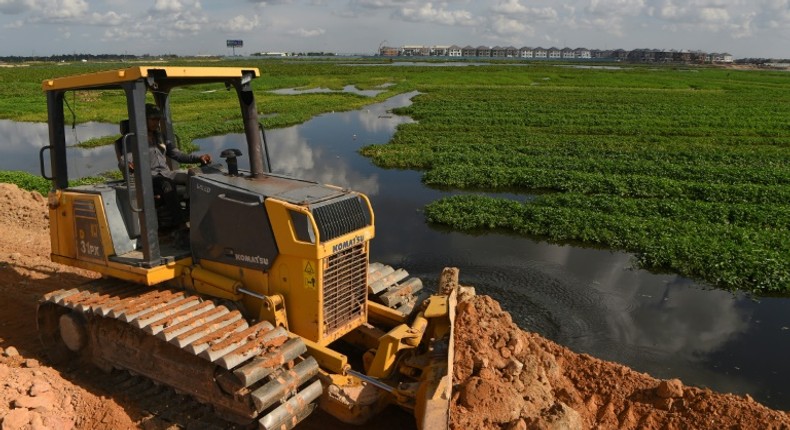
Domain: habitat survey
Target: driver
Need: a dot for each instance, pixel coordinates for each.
(160, 149)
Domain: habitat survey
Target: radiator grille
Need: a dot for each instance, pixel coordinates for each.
(345, 288)
(340, 217)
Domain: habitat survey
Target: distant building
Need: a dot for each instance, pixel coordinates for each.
(582, 53)
(553, 53)
(721, 58)
(440, 51)
(270, 54)
(388, 51)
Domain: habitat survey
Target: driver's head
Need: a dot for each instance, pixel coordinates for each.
(152, 111)
(153, 115)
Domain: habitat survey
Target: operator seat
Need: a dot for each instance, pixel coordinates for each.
(170, 196)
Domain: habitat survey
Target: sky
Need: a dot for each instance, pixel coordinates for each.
(743, 28)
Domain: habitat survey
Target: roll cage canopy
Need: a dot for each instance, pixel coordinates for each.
(174, 76)
(136, 82)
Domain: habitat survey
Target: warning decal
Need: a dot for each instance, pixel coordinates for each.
(309, 275)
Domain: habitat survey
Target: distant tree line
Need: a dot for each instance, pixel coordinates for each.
(80, 57)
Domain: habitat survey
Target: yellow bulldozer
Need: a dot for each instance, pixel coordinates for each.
(263, 302)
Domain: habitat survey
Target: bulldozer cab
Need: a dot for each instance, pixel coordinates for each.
(134, 199)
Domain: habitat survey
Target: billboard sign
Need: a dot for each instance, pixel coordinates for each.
(235, 43)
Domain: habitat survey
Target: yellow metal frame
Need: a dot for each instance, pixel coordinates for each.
(113, 77)
(63, 240)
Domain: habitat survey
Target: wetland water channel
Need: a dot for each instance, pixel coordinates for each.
(592, 301)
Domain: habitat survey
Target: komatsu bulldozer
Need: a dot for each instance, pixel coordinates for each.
(263, 303)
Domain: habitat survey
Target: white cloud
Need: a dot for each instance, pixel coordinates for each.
(168, 6)
(14, 7)
(544, 14)
(733, 17)
(239, 24)
(14, 24)
(427, 13)
(514, 9)
(714, 15)
(615, 7)
(303, 32)
(507, 27)
(172, 19)
(270, 2)
(188, 23)
(108, 19)
(383, 4)
(509, 7)
(62, 10)
(774, 14)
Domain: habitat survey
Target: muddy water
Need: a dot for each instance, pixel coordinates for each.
(592, 301)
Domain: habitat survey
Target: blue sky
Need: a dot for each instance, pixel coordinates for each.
(744, 28)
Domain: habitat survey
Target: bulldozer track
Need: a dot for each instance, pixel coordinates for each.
(196, 347)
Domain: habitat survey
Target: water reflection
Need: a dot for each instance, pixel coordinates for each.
(347, 89)
(22, 141)
(323, 150)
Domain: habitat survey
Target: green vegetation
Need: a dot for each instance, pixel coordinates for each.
(36, 183)
(202, 111)
(689, 168)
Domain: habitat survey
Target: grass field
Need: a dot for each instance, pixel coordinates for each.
(687, 167)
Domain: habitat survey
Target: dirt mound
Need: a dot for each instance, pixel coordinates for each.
(505, 378)
(22, 208)
(37, 397)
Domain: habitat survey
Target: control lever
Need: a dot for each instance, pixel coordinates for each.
(230, 155)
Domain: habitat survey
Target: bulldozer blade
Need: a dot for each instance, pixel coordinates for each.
(432, 408)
